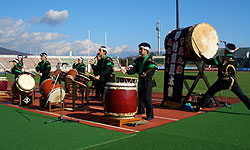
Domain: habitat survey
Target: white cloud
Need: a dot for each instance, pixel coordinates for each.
(52, 17)
(15, 34)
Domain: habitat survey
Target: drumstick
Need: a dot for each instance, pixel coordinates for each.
(196, 45)
(149, 70)
(118, 63)
(88, 74)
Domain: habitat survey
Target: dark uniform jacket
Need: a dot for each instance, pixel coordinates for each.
(226, 65)
(141, 65)
(104, 68)
(20, 64)
(16, 71)
(44, 68)
(80, 67)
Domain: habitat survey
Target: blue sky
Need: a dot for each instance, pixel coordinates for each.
(127, 23)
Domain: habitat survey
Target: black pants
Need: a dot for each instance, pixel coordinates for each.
(145, 100)
(222, 84)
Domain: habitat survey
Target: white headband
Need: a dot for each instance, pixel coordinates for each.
(104, 49)
(230, 50)
(144, 47)
(81, 58)
(14, 60)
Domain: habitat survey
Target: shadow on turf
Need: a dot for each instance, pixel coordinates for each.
(22, 113)
(232, 113)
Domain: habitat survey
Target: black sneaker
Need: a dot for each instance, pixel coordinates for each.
(197, 109)
(149, 118)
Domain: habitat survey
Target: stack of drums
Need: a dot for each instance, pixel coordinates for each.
(23, 85)
(120, 100)
(51, 91)
(3, 85)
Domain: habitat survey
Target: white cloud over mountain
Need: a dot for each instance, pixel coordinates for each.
(16, 35)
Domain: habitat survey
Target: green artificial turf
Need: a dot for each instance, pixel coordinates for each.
(24, 130)
(220, 129)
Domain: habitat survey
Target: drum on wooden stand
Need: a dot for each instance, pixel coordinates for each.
(23, 85)
(120, 100)
(199, 38)
(3, 85)
(47, 91)
(71, 75)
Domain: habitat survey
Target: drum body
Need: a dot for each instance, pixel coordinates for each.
(71, 75)
(82, 80)
(201, 37)
(55, 74)
(23, 85)
(120, 100)
(3, 84)
(47, 90)
(127, 80)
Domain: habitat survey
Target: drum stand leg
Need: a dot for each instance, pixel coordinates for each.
(60, 118)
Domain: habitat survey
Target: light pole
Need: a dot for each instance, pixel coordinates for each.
(158, 29)
(177, 14)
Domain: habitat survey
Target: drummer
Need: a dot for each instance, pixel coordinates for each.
(20, 61)
(43, 68)
(96, 82)
(103, 70)
(227, 65)
(16, 70)
(80, 66)
(145, 67)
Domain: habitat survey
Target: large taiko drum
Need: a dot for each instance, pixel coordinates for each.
(201, 37)
(23, 85)
(71, 75)
(3, 85)
(120, 100)
(47, 90)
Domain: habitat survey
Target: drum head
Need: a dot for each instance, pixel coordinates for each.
(26, 82)
(55, 95)
(207, 40)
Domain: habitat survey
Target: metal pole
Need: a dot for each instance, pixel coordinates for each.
(177, 14)
(158, 28)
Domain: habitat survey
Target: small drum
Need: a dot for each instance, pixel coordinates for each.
(46, 90)
(55, 74)
(82, 80)
(71, 75)
(23, 85)
(127, 80)
(201, 37)
(120, 100)
(3, 85)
